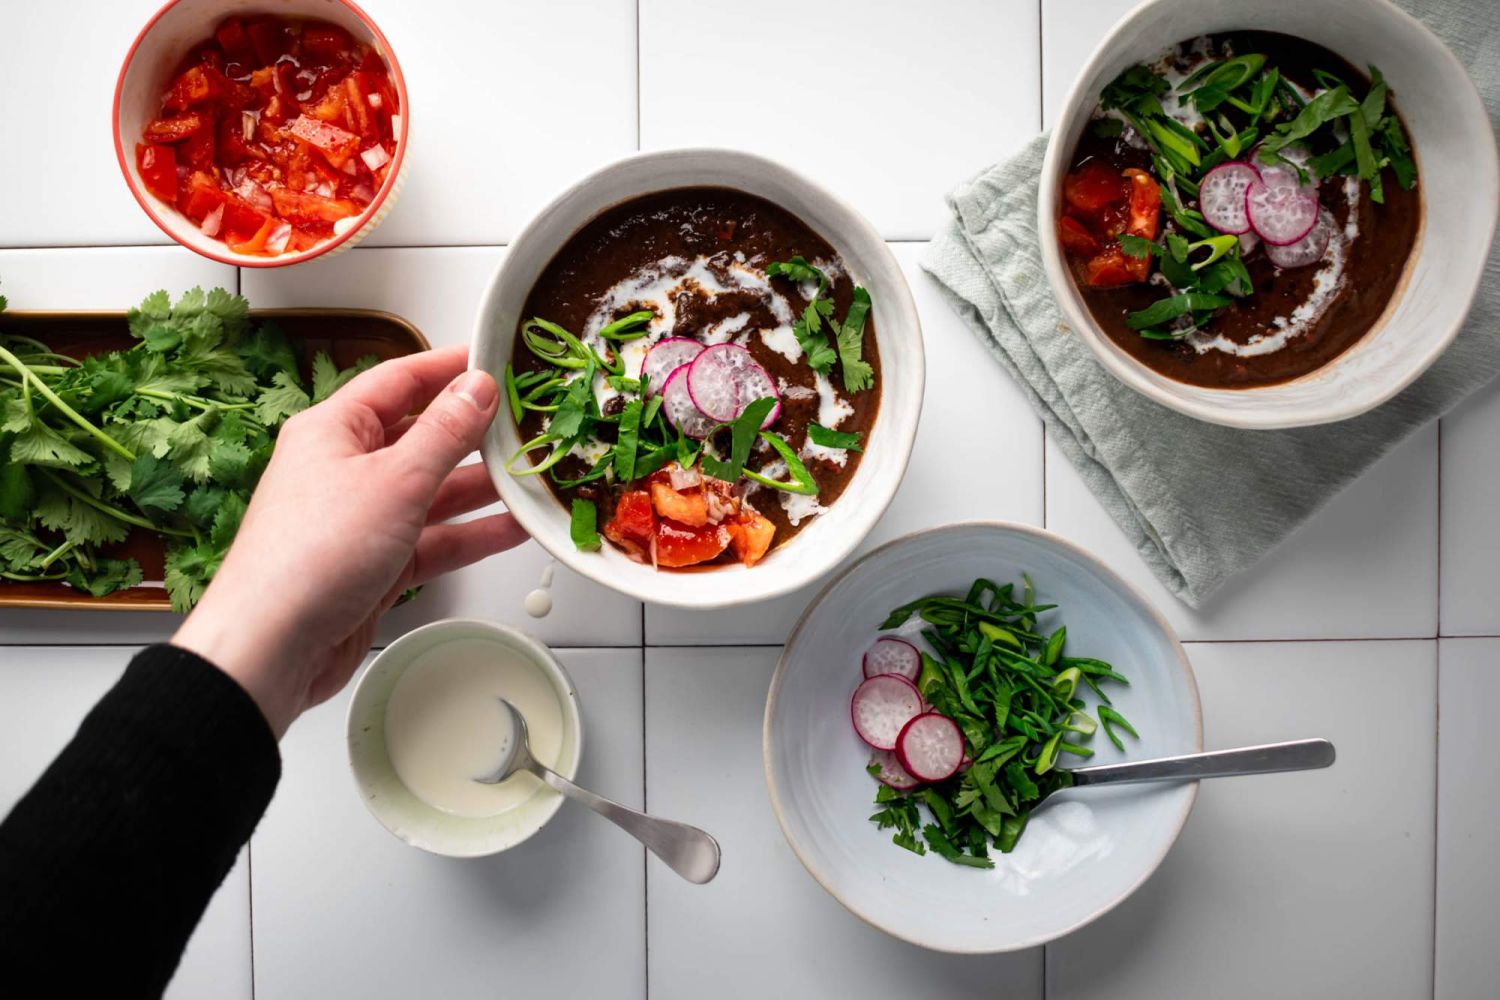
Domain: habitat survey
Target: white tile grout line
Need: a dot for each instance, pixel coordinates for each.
(1437, 799)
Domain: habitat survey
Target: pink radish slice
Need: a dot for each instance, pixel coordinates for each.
(881, 706)
(1309, 249)
(890, 655)
(711, 381)
(664, 358)
(930, 747)
(753, 382)
(892, 774)
(1280, 213)
(677, 404)
(1221, 196)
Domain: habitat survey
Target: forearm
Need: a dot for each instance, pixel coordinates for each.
(107, 863)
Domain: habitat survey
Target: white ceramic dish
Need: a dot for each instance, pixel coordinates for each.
(1082, 853)
(831, 536)
(1459, 181)
(401, 812)
(161, 47)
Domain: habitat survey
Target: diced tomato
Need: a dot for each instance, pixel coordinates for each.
(197, 86)
(256, 243)
(1076, 238)
(198, 150)
(158, 167)
(358, 104)
(234, 41)
(176, 128)
(751, 534)
(1093, 187)
(299, 208)
(333, 142)
(1110, 268)
(689, 508)
(681, 545)
(324, 41)
(269, 37)
(633, 525)
(1145, 204)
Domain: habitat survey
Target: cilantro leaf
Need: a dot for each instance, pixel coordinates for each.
(829, 438)
(282, 399)
(328, 379)
(858, 374)
(155, 485)
(583, 527)
(106, 576)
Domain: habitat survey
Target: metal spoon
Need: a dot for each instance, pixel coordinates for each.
(1297, 755)
(687, 850)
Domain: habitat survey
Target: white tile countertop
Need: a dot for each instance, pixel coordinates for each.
(1374, 621)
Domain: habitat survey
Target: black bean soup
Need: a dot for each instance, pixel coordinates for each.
(692, 263)
(1297, 305)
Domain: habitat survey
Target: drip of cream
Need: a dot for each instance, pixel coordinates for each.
(539, 601)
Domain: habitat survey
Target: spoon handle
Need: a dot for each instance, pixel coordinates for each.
(1298, 755)
(687, 850)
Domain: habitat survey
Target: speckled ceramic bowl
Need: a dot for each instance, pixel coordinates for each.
(158, 50)
(408, 817)
(1083, 851)
(1459, 183)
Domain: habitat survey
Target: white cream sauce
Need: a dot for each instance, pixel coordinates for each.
(444, 725)
(538, 602)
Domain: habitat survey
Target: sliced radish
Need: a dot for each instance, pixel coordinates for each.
(712, 381)
(890, 655)
(930, 747)
(754, 382)
(677, 404)
(1280, 213)
(892, 774)
(664, 358)
(881, 707)
(1309, 249)
(1221, 196)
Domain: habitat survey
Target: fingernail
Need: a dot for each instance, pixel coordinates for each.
(477, 388)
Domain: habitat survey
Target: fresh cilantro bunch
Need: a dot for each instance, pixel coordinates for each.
(1015, 697)
(170, 436)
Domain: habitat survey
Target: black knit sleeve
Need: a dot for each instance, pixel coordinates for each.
(107, 863)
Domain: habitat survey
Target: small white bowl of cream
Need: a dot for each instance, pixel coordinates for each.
(426, 720)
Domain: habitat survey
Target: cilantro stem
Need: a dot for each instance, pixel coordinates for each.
(29, 578)
(54, 555)
(112, 511)
(28, 376)
(197, 401)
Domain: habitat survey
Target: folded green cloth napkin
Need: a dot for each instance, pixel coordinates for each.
(1199, 502)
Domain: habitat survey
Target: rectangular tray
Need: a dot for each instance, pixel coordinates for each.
(346, 334)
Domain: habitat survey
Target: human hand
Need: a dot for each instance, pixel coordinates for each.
(347, 516)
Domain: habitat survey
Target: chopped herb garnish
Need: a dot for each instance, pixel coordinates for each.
(584, 527)
(829, 438)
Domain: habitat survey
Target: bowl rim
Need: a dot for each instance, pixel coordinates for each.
(903, 427)
(283, 260)
(1103, 571)
(1134, 374)
(541, 654)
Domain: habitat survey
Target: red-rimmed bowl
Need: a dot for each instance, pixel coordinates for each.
(147, 70)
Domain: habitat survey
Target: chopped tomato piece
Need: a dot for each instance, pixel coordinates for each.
(176, 128)
(335, 143)
(299, 208)
(198, 150)
(751, 534)
(690, 509)
(324, 41)
(1093, 187)
(233, 39)
(196, 86)
(269, 37)
(1145, 204)
(681, 545)
(633, 525)
(1076, 238)
(256, 243)
(158, 167)
(1110, 268)
(359, 109)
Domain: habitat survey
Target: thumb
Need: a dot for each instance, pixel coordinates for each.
(452, 426)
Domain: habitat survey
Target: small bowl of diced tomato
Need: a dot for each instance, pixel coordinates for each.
(262, 139)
